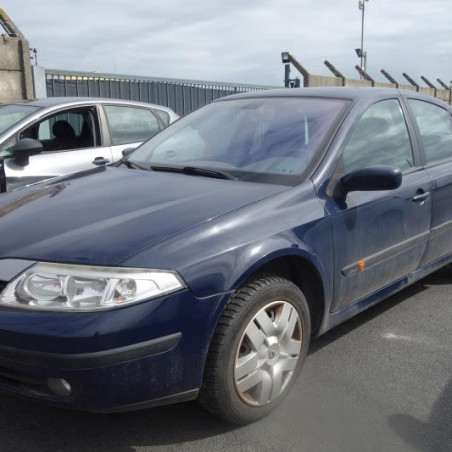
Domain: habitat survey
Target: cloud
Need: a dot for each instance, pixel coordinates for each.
(234, 40)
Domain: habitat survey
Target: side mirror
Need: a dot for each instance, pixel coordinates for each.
(372, 178)
(24, 148)
(127, 152)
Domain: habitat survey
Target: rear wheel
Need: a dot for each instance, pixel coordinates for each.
(257, 350)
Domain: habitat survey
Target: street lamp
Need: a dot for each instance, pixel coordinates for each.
(362, 54)
(286, 59)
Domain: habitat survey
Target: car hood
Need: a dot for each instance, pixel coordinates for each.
(104, 215)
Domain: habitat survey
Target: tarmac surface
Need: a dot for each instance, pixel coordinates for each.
(380, 382)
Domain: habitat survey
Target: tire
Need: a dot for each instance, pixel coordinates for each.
(257, 350)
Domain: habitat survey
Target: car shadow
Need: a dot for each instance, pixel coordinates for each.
(433, 435)
(30, 426)
(440, 277)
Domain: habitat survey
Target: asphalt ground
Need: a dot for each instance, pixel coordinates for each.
(380, 382)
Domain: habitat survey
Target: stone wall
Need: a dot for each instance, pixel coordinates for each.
(15, 69)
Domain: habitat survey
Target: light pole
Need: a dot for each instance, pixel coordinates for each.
(34, 51)
(362, 7)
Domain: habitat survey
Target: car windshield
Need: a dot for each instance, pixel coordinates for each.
(272, 140)
(10, 114)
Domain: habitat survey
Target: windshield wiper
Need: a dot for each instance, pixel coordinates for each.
(195, 170)
(130, 164)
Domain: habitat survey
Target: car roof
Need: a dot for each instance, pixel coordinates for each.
(49, 102)
(345, 93)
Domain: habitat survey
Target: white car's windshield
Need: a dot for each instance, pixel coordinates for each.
(262, 139)
(11, 114)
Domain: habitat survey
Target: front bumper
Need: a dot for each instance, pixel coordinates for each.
(141, 355)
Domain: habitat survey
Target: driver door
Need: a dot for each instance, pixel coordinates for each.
(379, 236)
(71, 140)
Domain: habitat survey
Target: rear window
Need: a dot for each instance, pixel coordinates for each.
(130, 125)
(435, 127)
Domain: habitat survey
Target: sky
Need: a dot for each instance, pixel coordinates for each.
(238, 40)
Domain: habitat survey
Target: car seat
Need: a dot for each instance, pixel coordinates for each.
(65, 137)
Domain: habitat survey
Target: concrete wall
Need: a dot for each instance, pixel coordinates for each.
(321, 80)
(444, 95)
(408, 87)
(312, 80)
(427, 91)
(384, 85)
(357, 83)
(39, 81)
(15, 69)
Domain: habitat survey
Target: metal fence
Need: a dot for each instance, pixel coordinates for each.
(183, 96)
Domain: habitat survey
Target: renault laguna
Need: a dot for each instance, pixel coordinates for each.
(200, 265)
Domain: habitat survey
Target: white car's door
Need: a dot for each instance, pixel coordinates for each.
(71, 141)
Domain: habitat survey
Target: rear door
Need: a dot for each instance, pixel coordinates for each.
(434, 128)
(71, 140)
(379, 236)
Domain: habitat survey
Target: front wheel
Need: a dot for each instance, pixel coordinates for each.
(257, 350)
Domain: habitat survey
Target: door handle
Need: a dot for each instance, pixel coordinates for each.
(100, 161)
(420, 196)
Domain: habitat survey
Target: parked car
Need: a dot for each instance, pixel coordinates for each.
(201, 265)
(73, 132)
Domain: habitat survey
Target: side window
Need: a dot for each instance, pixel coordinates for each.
(435, 127)
(130, 125)
(64, 131)
(380, 138)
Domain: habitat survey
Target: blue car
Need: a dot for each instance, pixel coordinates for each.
(201, 264)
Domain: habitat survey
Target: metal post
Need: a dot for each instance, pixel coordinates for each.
(390, 78)
(412, 82)
(362, 7)
(287, 75)
(362, 33)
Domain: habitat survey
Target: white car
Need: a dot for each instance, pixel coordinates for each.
(73, 133)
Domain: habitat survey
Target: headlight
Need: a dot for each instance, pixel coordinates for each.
(60, 287)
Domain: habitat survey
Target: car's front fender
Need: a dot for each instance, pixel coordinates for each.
(218, 256)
